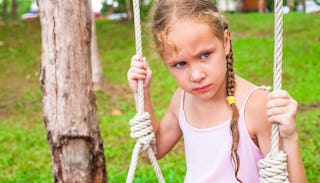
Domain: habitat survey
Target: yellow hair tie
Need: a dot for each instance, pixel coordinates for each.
(231, 100)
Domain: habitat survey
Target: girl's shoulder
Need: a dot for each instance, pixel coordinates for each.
(255, 114)
(251, 96)
(176, 101)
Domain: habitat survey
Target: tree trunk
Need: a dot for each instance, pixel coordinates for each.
(291, 4)
(304, 5)
(261, 6)
(227, 5)
(69, 109)
(97, 72)
(5, 10)
(129, 10)
(239, 6)
(14, 6)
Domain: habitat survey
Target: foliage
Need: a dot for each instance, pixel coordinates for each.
(270, 4)
(23, 7)
(106, 8)
(25, 154)
(145, 7)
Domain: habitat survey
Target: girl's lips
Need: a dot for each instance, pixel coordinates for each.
(202, 89)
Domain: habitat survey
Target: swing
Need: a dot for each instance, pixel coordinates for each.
(273, 169)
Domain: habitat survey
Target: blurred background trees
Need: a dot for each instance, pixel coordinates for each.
(13, 9)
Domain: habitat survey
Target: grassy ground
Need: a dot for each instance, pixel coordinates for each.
(25, 155)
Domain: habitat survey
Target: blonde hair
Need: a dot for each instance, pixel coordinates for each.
(166, 12)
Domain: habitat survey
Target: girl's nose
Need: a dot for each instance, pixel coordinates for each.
(197, 75)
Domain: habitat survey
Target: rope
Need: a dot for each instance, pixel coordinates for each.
(141, 126)
(273, 168)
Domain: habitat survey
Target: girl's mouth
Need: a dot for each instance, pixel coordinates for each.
(202, 89)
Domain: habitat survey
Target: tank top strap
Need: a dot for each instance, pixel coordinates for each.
(250, 93)
(182, 101)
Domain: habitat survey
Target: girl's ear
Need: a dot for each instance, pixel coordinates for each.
(226, 42)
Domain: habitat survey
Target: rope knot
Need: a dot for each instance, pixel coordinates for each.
(142, 130)
(274, 168)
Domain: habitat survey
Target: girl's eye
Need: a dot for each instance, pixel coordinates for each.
(205, 55)
(180, 64)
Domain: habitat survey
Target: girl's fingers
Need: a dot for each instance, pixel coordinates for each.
(286, 125)
(281, 109)
(279, 118)
(137, 76)
(278, 102)
(144, 61)
(281, 115)
(137, 71)
(135, 58)
(276, 111)
(279, 94)
(138, 64)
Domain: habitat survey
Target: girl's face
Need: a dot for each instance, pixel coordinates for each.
(197, 58)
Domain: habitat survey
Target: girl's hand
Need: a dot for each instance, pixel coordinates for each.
(282, 109)
(139, 70)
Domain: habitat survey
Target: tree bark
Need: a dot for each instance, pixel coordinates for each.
(129, 10)
(261, 6)
(239, 6)
(69, 109)
(304, 5)
(97, 72)
(5, 10)
(291, 4)
(227, 5)
(14, 7)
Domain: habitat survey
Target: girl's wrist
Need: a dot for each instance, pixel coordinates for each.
(146, 91)
(289, 141)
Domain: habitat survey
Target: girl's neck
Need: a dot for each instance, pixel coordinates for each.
(206, 113)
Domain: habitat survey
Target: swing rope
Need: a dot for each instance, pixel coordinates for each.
(273, 169)
(141, 126)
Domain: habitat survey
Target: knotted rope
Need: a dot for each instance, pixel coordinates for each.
(273, 169)
(141, 126)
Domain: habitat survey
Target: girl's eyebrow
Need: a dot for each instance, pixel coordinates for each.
(174, 61)
(178, 58)
(203, 50)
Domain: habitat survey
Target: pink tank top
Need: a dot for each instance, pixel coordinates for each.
(208, 151)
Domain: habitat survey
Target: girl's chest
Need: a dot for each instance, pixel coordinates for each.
(206, 117)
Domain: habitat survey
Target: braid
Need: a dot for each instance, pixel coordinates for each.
(231, 85)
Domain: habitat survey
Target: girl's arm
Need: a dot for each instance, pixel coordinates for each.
(262, 110)
(295, 165)
(168, 131)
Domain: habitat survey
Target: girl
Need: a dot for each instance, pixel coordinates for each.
(225, 119)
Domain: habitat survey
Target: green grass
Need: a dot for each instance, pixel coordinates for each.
(25, 154)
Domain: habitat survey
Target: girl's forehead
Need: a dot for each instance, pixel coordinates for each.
(188, 32)
(189, 39)
(186, 26)
(177, 22)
